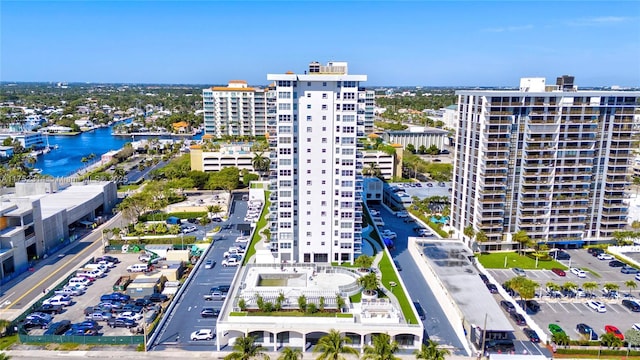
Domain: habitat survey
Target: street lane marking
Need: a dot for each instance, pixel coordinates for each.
(57, 270)
(551, 307)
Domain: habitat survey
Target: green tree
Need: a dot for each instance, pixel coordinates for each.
(561, 338)
(630, 284)
(522, 239)
(339, 302)
(290, 354)
(611, 286)
(371, 170)
(610, 340)
(245, 348)
(302, 303)
(431, 351)
(481, 236)
(333, 345)
(569, 286)
(261, 163)
(369, 282)
(469, 232)
(632, 336)
(4, 356)
(383, 348)
(363, 261)
(411, 148)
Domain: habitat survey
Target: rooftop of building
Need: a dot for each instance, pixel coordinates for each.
(69, 197)
(418, 130)
(451, 262)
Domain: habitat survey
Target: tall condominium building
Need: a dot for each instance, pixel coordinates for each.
(235, 110)
(550, 160)
(366, 107)
(316, 165)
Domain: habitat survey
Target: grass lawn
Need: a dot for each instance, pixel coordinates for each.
(262, 223)
(129, 187)
(496, 261)
(7, 341)
(389, 275)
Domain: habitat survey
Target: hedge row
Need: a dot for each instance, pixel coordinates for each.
(603, 352)
(177, 240)
(164, 216)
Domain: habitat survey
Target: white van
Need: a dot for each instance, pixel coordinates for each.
(138, 268)
(79, 281)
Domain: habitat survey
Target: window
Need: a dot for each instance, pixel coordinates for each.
(308, 83)
(325, 107)
(324, 150)
(284, 83)
(308, 106)
(284, 106)
(284, 129)
(308, 161)
(308, 117)
(284, 118)
(285, 183)
(324, 95)
(324, 83)
(338, 94)
(284, 151)
(309, 183)
(348, 107)
(324, 172)
(337, 106)
(324, 117)
(309, 129)
(284, 140)
(308, 94)
(284, 95)
(285, 172)
(284, 162)
(324, 141)
(309, 171)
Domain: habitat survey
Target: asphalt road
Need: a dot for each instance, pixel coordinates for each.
(19, 293)
(134, 175)
(436, 324)
(185, 317)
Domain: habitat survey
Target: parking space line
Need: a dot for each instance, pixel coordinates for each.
(613, 308)
(577, 308)
(551, 307)
(563, 308)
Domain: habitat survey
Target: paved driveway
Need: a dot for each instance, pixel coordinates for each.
(185, 317)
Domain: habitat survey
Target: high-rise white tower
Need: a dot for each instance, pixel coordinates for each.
(316, 165)
(549, 160)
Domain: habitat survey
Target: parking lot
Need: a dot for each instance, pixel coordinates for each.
(567, 311)
(101, 286)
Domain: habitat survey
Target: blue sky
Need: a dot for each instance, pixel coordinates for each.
(428, 43)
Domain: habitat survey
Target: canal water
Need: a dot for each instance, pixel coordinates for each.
(66, 159)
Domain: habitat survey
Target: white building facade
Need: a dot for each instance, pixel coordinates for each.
(235, 110)
(316, 165)
(549, 160)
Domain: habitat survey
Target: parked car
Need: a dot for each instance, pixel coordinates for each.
(578, 272)
(230, 262)
(121, 322)
(508, 306)
(519, 272)
(70, 290)
(81, 332)
(116, 296)
(597, 306)
(610, 329)
(532, 335)
(518, 318)
(555, 329)
(484, 278)
(631, 305)
(420, 310)
(202, 334)
(629, 270)
(112, 259)
(559, 272)
(99, 316)
(209, 313)
(50, 309)
(530, 306)
(64, 300)
(157, 297)
(58, 328)
(134, 316)
(561, 255)
(397, 264)
(616, 263)
(38, 323)
(492, 288)
(587, 330)
(605, 256)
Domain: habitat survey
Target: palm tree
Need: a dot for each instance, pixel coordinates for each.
(369, 282)
(371, 170)
(630, 284)
(481, 236)
(261, 163)
(383, 348)
(430, 351)
(333, 345)
(363, 262)
(290, 354)
(610, 340)
(245, 348)
(522, 239)
(469, 232)
(560, 338)
(590, 286)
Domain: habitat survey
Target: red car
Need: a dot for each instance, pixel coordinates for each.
(614, 330)
(559, 272)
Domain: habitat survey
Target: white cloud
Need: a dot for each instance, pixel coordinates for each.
(599, 20)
